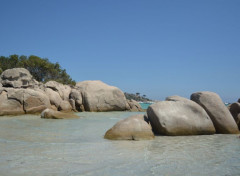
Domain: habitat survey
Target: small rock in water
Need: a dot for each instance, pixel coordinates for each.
(131, 128)
(51, 114)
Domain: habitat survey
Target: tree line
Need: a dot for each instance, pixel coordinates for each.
(136, 97)
(41, 68)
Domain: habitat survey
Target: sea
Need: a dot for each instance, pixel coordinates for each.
(145, 105)
(31, 146)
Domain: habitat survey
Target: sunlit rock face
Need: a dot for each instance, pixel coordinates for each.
(217, 111)
(17, 78)
(179, 118)
(20, 101)
(131, 128)
(98, 96)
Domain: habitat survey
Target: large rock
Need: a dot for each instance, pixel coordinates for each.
(27, 101)
(51, 114)
(179, 118)
(17, 78)
(9, 106)
(131, 128)
(218, 112)
(134, 106)
(235, 111)
(35, 101)
(98, 96)
(62, 90)
(178, 98)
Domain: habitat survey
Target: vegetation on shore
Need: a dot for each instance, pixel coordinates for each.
(41, 68)
(137, 97)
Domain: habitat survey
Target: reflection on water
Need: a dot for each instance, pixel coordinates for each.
(33, 146)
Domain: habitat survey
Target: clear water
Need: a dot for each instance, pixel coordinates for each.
(145, 105)
(33, 146)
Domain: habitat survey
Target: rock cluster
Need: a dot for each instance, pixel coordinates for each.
(218, 112)
(21, 94)
(204, 114)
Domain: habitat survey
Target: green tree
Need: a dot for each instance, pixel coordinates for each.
(41, 68)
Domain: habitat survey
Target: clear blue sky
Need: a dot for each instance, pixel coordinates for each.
(155, 47)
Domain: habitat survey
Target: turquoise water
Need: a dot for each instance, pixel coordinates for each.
(145, 105)
(31, 146)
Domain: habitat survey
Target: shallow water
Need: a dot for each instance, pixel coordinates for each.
(145, 105)
(33, 146)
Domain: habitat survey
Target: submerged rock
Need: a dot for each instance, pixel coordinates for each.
(51, 114)
(218, 112)
(17, 78)
(179, 118)
(131, 128)
(98, 96)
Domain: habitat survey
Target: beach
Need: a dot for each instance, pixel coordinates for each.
(30, 145)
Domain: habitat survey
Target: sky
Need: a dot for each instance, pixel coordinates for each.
(155, 47)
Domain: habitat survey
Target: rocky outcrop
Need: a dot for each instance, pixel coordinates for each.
(218, 112)
(21, 94)
(131, 128)
(51, 114)
(54, 97)
(9, 106)
(98, 96)
(34, 101)
(134, 106)
(59, 95)
(76, 100)
(181, 117)
(17, 78)
(235, 111)
(20, 101)
(62, 90)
